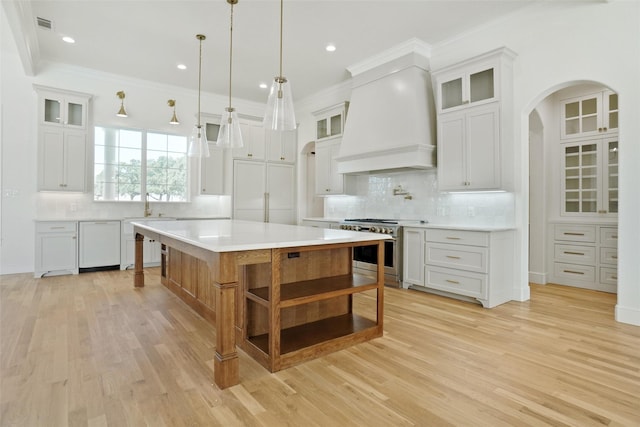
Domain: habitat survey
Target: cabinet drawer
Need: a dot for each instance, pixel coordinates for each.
(609, 237)
(459, 237)
(609, 275)
(609, 256)
(456, 281)
(574, 272)
(575, 233)
(575, 254)
(470, 258)
(55, 226)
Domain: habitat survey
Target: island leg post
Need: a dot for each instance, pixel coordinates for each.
(225, 282)
(138, 278)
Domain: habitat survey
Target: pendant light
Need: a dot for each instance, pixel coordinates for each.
(230, 135)
(279, 114)
(174, 119)
(198, 146)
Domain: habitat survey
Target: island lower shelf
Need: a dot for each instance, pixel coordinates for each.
(298, 308)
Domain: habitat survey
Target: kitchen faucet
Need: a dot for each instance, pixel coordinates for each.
(147, 211)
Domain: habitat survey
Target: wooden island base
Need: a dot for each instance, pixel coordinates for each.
(282, 306)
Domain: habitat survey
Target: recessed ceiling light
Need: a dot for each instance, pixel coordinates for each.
(68, 39)
(263, 85)
(330, 47)
(182, 67)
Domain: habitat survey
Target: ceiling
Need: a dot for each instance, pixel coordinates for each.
(148, 39)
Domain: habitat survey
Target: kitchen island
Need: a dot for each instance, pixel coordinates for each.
(282, 293)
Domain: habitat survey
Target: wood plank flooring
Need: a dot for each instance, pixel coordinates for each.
(90, 350)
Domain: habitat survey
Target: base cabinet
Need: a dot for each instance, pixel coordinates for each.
(56, 248)
(465, 264)
(151, 248)
(585, 256)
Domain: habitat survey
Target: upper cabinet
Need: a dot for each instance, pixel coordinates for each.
(330, 121)
(589, 115)
(463, 88)
(475, 134)
(62, 108)
(62, 139)
(328, 180)
(253, 138)
(281, 146)
(212, 168)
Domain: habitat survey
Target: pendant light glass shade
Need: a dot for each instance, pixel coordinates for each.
(230, 135)
(198, 146)
(280, 114)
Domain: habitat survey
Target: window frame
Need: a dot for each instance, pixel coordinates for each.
(143, 164)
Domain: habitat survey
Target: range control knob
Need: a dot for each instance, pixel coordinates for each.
(373, 229)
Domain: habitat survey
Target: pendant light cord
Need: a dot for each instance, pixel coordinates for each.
(200, 37)
(281, 16)
(230, 54)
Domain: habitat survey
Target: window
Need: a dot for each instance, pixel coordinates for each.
(129, 163)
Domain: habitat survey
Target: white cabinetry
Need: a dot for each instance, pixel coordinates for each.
(212, 168)
(330, 121)
(469, 149)
(99, 244)
(281, 146)
(590, 177)
(589, 115)
(473, 102)
(56, 248)
(264, 191)
(150, 248)
(462, 263)
(328, 180)
(253, 138)
(320, 224)
(62, 139)
(585, 255)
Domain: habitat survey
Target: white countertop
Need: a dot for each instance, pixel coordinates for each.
(233, 235)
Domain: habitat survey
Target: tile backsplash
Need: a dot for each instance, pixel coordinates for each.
(375, 199)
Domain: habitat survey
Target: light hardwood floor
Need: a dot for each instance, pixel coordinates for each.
(90, 350)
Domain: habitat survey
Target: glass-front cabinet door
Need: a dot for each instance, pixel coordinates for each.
(469, 88)
(590, 184)
(589, 115)
(63, 110)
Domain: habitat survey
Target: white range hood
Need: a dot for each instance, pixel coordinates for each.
(391, 122)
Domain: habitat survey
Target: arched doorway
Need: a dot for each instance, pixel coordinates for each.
(573, 197)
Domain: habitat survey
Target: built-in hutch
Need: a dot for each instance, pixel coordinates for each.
(62, 139)
(473, 104)
(583, 239)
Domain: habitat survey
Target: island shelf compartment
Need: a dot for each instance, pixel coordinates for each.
(301, 305)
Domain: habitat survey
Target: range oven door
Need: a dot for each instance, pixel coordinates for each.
(369, 254)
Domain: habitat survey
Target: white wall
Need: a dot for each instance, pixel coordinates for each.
(558, 43)
(146, 104)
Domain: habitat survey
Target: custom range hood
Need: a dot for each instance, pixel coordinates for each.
(391, 122)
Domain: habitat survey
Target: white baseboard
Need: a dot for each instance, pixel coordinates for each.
(628, 315)
(538, 278)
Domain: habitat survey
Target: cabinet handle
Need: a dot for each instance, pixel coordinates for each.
(56, 228)
(281, 158)
(614, 257)
(452, 281)
(327, 189)
(204, 189)
(573, 253)
(249, 155)
(574, 234)
(615, 277)
(615, 236)
(602, 212)
(74, 237)
(573, 272)
(453, 238)
(465, 102)
(453, 257)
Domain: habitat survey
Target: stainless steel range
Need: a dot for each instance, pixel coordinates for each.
(365, 258)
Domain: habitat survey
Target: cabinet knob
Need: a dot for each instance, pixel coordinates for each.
(604, 129)
(249, 155)
(599, 129)
(281, 158)
(327, 189)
